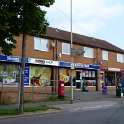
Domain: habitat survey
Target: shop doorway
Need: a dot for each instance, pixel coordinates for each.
(87, 77)
(78, 79)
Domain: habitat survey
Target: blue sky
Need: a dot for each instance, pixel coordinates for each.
(103, 19)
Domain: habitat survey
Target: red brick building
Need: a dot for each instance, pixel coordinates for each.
(49, 58)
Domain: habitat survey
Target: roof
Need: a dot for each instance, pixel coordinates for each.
(58, 34)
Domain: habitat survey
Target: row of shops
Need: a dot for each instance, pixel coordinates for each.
(38, 72)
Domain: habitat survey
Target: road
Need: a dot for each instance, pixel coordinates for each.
(105, 112)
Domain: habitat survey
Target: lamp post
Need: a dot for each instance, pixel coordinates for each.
(71, 37)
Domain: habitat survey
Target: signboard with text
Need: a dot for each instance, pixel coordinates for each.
(43, 62)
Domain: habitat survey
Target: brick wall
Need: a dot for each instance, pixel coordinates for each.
(30, 52)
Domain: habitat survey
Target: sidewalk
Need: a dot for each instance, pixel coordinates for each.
(82, 101)
(78, 97)
(93, 96)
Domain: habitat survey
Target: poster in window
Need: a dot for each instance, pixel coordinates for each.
(64, 75)
(40, 76)
(9, 74)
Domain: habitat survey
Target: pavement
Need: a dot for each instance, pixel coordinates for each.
(82, 101)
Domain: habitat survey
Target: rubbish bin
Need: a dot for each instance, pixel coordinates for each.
(118, 91)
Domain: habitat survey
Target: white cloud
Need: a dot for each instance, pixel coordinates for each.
(89, 16)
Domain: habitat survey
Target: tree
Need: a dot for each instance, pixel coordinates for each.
(21, 17)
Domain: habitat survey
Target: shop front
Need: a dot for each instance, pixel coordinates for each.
(111, 77)
(41, 71)
(65, 72)
(82, 74)
(9, 70)
(86, 76)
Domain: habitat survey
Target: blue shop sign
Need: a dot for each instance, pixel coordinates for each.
(64, 64)
(87, 66)
(3, 58)
(9, 58)
(95, 66)
(79, 65)
(26, 75)
(13, 59)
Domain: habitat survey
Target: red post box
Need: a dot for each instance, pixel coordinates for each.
(60, 88)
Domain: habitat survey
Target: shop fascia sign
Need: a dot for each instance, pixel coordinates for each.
(95, 66)
(50, 62)
(64, 64)
(91, 66)
(10, 58)
(13, 59)
(79, 65)
(114, 69)
(43, 62)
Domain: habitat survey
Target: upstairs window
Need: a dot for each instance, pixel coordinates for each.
(40, 44)
(120, 58)
(104, 55)
(66, 48)
(88, 52)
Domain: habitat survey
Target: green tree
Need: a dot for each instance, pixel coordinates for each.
(21, 17)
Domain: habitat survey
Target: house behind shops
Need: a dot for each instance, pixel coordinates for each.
(49, 58)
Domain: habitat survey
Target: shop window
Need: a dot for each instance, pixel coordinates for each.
(88, 52)
(89, 77)
(40, 44)
(104, 55)
(120, 58)
(111, 78)
(66, 48)
(9, 74)
(40, 76)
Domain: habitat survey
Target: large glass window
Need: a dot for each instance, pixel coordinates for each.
(9, 74)
(111, 78)
(104, 55)
(88, 77)
(40, 76)
(40, 44)
(88, 52)
(120, 58)
(66, 48)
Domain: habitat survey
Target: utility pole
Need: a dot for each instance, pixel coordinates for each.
(72, 66)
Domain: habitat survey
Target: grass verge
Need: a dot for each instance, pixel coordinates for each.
(7, 112)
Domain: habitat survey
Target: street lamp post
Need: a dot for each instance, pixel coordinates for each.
(72, 93)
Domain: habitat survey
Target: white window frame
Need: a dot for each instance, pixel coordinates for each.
(66, 48)
(86, 53)
(105, 55)
(42, 45)
(120, 58)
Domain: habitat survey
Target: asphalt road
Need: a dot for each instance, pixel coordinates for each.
(94, 114)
